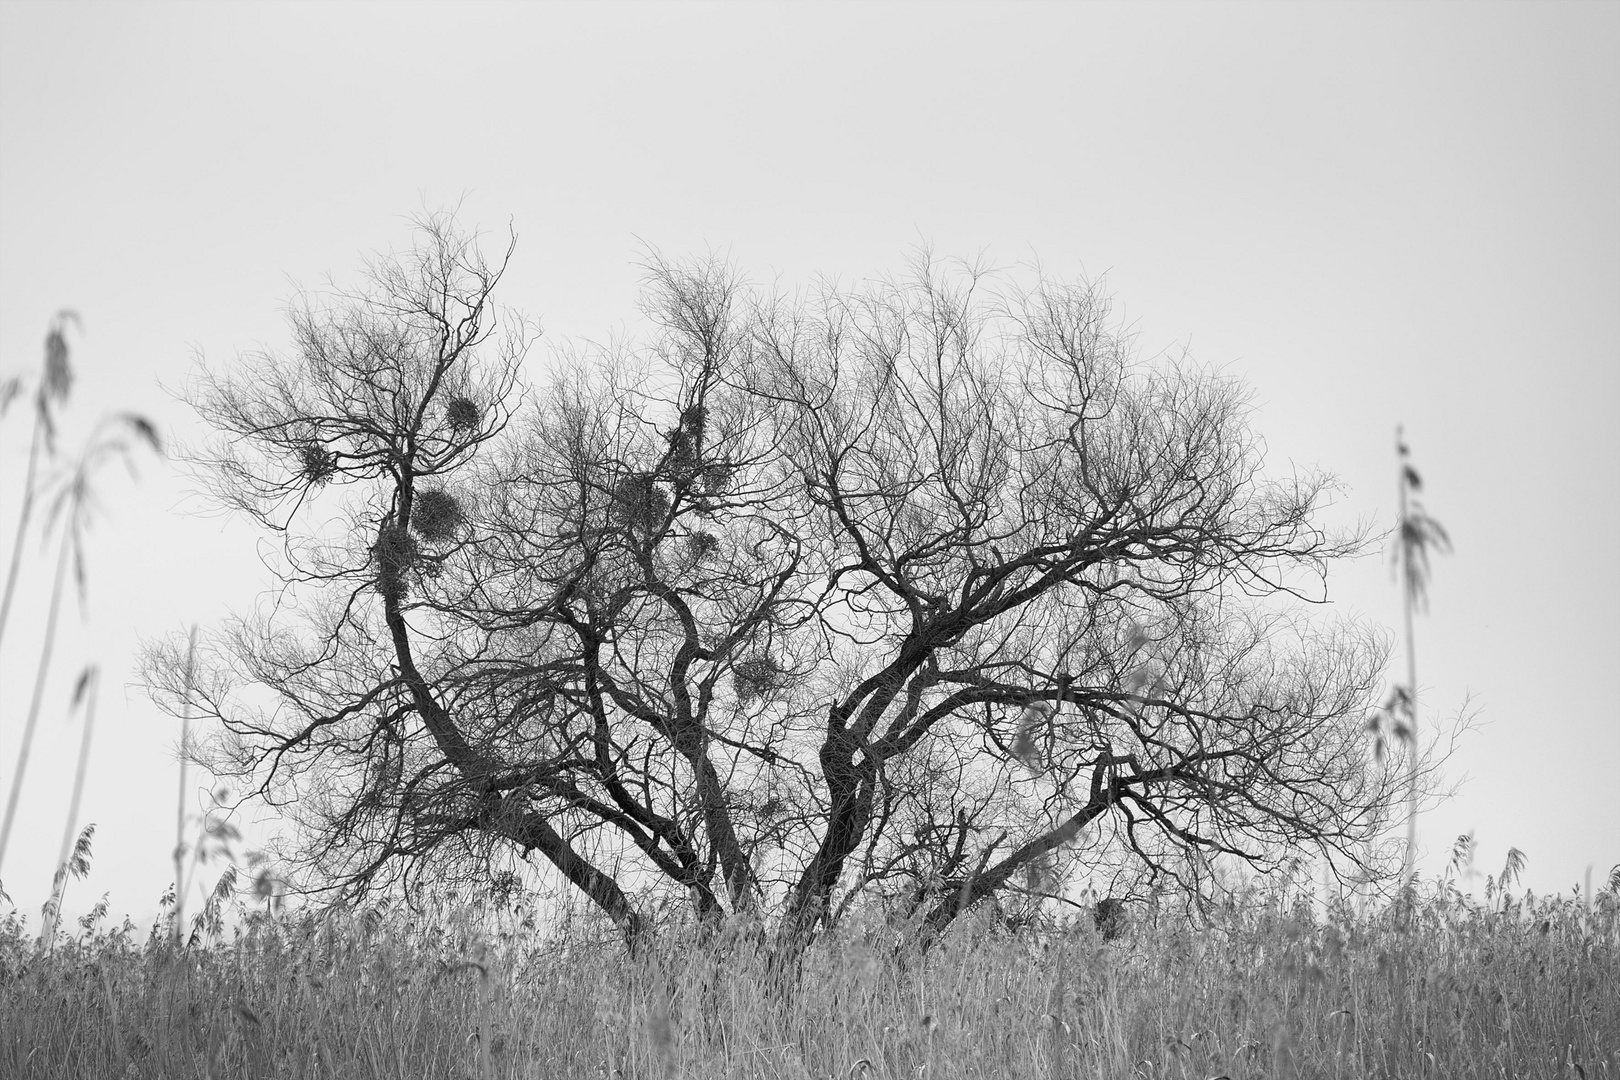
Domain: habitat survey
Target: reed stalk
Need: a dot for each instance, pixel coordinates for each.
(40, 674)
(180, 882)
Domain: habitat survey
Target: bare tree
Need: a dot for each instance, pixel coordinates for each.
(916, 590)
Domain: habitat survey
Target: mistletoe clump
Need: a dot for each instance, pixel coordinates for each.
(758, 676)
(395, 553)
(639, 503)
(703, 544)
(462, 414)
(316, 463)
(437, 515)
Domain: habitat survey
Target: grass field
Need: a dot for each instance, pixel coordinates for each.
(1522, 988)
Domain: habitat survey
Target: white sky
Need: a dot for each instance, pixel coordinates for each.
(1373, 214)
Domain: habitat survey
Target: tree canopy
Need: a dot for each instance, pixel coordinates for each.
(926, 590)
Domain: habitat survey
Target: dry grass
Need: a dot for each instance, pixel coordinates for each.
(1264, 991)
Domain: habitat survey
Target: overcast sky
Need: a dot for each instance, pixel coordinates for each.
(1371, 214)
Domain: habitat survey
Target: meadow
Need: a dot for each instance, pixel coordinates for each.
(1268, 985)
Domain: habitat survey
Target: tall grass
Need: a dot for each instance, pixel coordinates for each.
(71, 488)
(1516, 988)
